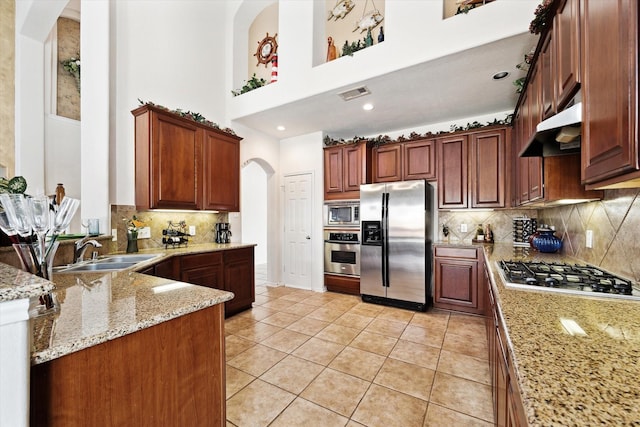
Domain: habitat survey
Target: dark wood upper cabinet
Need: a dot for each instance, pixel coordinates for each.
(610, 94)
(471, 170)
(387, 163)
(181, 164)
(547, 76)
(566, 32)
(221, 172)
(419, 159)
(453, 160)
(405, 161)
(345, 168)
(487, 169)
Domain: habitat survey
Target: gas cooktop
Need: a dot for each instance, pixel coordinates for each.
(565, 278)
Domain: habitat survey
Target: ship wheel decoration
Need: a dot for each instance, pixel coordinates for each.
(267, 48)
(370, 19)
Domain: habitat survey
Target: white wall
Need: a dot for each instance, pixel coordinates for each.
(168, 52)
(254, 208)
(415, 33)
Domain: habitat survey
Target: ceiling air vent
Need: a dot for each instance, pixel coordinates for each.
(350, 94)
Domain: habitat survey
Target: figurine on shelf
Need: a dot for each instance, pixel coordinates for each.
(331, 50)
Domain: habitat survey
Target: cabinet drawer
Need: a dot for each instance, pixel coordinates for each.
(452, 252)
(244, 254)
(200, 260)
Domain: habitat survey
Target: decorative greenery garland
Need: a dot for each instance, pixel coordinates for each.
(385, 139)
(542, 17)
(196, 117)
(253, 83)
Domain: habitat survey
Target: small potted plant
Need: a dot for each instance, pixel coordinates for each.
(133, 225)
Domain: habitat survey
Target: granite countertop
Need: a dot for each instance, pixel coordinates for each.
(16, 284)
(98, 307)
(570, 380)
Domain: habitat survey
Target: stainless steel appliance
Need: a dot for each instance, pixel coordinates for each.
(565, 278)
(396, 224)
(343, 213)
(342, 252)
(223, 232)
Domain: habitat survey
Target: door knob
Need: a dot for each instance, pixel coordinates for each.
(308, 237)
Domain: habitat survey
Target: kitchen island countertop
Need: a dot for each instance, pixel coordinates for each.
(98, 307)
(564, 379)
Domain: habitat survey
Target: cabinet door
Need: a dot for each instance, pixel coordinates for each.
(452, 172)
(419, 159)
(333, 171)
(566, 27)
(353, 173)
(221, 177)
(456, 284)
(610, 42)
(175, 152)
(487, 169)
(239, 278)
(502, 380)
(547, 76)
(534, 178)
(166, 269)
(202, 269)
(387, 163)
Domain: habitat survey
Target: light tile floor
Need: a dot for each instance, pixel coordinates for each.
(300, 358)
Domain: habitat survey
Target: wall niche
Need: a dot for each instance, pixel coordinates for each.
(67, 89)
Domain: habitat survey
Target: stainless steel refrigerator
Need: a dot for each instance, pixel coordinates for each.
(395, 253)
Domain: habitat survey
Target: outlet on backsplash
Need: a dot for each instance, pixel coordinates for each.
(463, 228)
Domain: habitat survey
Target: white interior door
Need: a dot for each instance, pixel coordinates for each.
(298, 197)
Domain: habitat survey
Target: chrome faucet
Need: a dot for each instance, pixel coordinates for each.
(81, 247)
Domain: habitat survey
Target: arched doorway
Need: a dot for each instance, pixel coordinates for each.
(256, 198)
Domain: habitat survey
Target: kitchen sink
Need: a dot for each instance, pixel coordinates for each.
(108, 263)
(104, 266)
(124, 258)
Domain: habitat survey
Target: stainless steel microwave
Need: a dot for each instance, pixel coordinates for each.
(344, 213)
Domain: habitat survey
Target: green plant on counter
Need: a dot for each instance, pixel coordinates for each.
(253, 83)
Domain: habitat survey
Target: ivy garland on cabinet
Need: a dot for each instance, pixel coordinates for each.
(196, 117)
(385, 139)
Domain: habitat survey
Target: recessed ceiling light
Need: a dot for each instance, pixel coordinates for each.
(500, 75)
(281, 127)
(367, 107)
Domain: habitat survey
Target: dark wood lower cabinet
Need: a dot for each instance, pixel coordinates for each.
(229, 270)
(457, 286)
(170, 374)
(239, 278)
(507, 402)
(343, 284)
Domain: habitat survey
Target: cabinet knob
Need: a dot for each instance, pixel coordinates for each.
(308, 237)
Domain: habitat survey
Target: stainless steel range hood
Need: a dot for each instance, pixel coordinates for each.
(558, 135)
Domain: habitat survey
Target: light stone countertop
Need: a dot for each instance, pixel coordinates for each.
(98, 307)
(17, 284)
(570, 380)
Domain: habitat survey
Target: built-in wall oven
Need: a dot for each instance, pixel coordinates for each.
(342, 252)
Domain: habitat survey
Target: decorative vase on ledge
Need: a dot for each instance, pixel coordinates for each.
(132, 241)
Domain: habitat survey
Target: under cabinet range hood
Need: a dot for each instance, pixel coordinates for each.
(557, 135)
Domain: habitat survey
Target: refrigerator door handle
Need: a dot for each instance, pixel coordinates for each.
(383, 270)
(385, 240)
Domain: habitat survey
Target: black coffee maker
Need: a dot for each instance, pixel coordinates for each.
(223, 233)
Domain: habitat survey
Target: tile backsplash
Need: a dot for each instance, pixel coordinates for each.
(158, 221)
(615, 222)
(501, 222)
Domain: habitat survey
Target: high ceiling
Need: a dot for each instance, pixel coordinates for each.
(451, 88)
